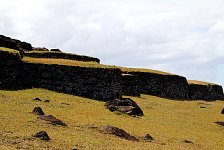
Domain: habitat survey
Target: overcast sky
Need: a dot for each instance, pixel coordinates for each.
(185, 37)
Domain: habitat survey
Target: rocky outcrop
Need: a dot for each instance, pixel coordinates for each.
(167, 86)
(124, 105)
(208, 92)
(60, 55)
(14, 43)
(130, 85)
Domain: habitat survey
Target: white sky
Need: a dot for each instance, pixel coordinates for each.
(185, 37)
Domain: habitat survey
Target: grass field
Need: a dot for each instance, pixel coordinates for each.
(169, 122)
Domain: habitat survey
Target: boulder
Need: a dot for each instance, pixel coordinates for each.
(118, 132)
(222, 112)
(38, 111)
(52, 120)
(148, 137)
(124, 105)
(42, 135)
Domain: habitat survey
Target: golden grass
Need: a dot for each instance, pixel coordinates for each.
(169, 122)
(125, 69)
(65, 62)
(9, 50)
(88, 64)
(199, 82)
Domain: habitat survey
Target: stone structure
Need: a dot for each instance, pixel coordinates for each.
(167, 86)
(14, 44)
(205, 92)
(95, 83)
(130, 85)
(60, 55)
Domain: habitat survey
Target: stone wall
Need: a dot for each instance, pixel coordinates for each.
(14, 44)
(208, 92)
(130, 85)
(95, 83)
(167, 86)
(10, 65)
(61, 56)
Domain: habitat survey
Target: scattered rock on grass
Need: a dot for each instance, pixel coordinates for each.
(118, 132)
(37, 99)
(38, 111)
(52, 119)
(187, 141)
(221, 123)
(148, 137)
(47, 101)
(42, 135)
(222, 112)
(124, 105)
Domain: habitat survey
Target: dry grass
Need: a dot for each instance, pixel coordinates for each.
(144, 70)
(65, 62)
(199, 82)
(88, 64)
(169, 122)
(9, 50)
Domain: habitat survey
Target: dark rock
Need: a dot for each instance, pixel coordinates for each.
(148, 137)
(14, 44)
(222, 112)
(118, 132)
(37, 99)
(38, 111)
(55, 50)
(124, 105)
(42, 135)
(47, 101)
(221, 123)
(52, 119)
(188, 142)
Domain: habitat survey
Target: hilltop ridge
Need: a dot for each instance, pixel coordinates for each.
(85, 76)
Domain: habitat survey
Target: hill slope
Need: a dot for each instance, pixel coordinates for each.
(169, 122)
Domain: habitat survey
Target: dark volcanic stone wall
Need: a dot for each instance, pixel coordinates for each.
(130, 85)
(14, 44)
(61, 56)
(9, 69)
(95, 83)
(167, 86)
(205, 92)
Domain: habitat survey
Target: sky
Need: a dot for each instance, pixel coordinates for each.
(184, 37)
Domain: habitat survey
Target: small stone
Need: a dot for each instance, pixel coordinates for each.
(37, 99)
(47, 101)
(222, 112)
(148, 137)
(221, 123)
(42, 135)
(38, 111)
(188, 142)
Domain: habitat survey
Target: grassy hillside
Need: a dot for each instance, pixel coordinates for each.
(169, 122)
(199, 82)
